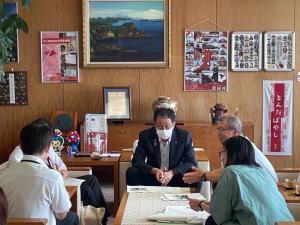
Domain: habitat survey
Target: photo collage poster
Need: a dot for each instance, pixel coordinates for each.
(59, 57)
(279, 51)
(206, 60)
(246, 51)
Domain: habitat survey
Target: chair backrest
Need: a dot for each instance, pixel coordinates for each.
(26, 221)
(65, 121)
(134, 145)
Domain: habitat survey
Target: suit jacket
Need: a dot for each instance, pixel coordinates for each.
(181, 157)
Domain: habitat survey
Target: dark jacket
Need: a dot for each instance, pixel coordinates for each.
(182, 155)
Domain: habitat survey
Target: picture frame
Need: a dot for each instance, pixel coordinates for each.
(205, 60)
(117, 103)
(246, 51)
(13, 89)
(126, 33)
(11, 7)
(59, 56)
(279, 50)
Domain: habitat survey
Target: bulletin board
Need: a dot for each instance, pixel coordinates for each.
(13, 88)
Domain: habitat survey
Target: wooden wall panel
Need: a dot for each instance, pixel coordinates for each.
(245, 89)
(169, 81)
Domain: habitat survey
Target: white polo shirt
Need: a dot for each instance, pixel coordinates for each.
(17, 155)
(33, 190)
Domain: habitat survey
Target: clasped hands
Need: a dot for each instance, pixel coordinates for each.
(163, 177)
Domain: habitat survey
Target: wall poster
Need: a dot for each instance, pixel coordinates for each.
(246, 51)
(59, 57)
(279, 51)
(206, 60)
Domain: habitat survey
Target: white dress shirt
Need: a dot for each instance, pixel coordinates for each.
(17, 155)
(33, 190)
(262, 160)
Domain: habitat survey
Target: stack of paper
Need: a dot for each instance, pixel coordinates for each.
(180, 214)
(157, 189)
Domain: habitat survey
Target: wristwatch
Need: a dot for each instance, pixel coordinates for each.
(200, 204)
(203, 177)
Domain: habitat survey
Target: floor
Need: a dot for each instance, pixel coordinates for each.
(108, 192)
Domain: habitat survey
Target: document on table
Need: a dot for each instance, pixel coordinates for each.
(73, 181)
(157, 189)
(180, 214)
(182, 197)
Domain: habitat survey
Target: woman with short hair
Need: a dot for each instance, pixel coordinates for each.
(246, 193)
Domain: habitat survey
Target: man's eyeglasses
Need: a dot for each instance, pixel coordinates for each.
(220, 130)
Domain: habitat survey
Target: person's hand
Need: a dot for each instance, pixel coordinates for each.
(167, 176)
(194, 204)
(159, 174)
(64, 173)
(194, 176)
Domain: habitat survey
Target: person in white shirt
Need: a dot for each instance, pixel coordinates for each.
(230, 126)
(91, 193)
(31, 188)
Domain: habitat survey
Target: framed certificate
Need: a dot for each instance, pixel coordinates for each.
(116, 102)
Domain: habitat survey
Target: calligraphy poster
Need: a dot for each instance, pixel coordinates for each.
(279, 51)
(59, 57)
(13, 88)
(277, 117)
(246, 48)
(206, 60)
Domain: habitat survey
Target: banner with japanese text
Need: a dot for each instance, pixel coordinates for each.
(277, 117)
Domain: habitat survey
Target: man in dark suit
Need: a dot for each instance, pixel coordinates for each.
(168, 152)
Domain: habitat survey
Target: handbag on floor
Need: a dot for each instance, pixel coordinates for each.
(89, 215)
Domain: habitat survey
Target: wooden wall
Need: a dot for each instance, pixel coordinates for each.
(245, 89)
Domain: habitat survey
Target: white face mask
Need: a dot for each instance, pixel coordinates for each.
(164, 134)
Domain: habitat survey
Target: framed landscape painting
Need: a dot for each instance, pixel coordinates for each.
(126, 33)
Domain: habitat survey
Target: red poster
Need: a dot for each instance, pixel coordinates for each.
(59, 57)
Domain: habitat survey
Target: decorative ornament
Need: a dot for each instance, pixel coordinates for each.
(164, 102)
(217, 112)
(57, 141)
(73, 140)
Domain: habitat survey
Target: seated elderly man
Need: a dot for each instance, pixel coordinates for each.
(230, 126)
(31, 188)
(168, 150)
(91, 193)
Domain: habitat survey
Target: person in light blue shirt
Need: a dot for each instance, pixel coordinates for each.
(246, 193)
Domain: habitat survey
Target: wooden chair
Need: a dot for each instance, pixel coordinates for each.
(65, 121)
(26, 221)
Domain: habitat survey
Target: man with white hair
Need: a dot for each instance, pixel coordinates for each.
(230, 126)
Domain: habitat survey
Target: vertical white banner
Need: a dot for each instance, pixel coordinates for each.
(277, 117)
